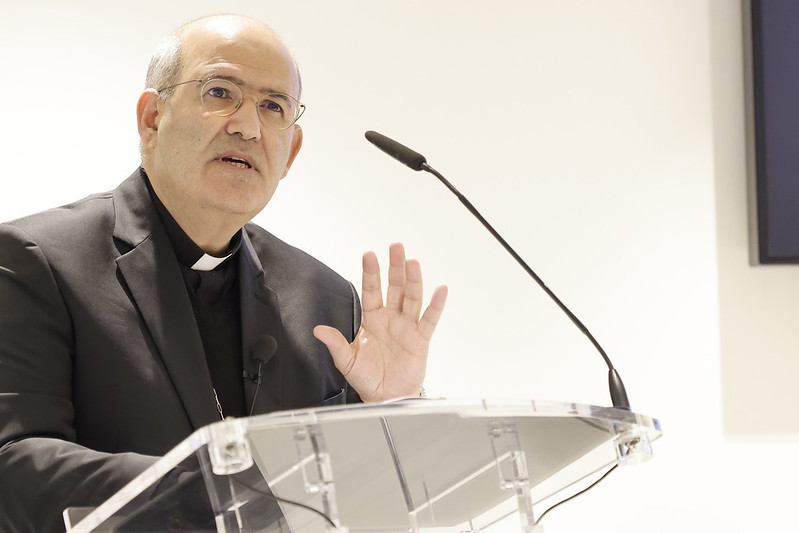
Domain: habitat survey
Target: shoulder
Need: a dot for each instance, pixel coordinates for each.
(64, 225)
(282, 261)
(92, 216)
(272, 248)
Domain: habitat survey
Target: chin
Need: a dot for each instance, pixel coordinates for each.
(241, 198)
(240, 207)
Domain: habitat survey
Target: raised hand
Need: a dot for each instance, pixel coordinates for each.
(388, 357)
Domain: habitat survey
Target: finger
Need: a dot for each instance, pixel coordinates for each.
(412, 302)
(371, 290)
(340, 350)
(396, 276)
(432, 314)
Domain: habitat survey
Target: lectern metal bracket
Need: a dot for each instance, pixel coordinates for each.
(511, 463)
(229, 448)
(310, 442)
(631, 444)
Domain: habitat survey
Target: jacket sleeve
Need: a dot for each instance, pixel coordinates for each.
(42, 468)
(352, 396)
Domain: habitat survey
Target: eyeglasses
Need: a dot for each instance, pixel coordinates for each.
(223, 98)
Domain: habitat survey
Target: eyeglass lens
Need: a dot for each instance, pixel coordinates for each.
(221, 97)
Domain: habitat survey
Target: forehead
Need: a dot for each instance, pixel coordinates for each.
(247, 52)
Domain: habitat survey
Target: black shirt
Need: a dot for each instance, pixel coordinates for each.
(213, 289)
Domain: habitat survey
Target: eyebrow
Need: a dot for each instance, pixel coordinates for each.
(238, 81)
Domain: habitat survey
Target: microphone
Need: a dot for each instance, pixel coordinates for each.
(263, 349)
(417, 161)
(400, 152)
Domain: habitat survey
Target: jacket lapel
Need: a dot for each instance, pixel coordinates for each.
(259, 316)
(151, 272)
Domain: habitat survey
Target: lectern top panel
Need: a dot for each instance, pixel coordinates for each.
(409, 465)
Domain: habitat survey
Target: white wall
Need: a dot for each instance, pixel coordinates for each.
(603, 139)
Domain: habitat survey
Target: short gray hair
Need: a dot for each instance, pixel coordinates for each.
(167, 59)
(165, 64)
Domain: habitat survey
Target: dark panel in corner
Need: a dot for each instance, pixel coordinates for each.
(774, 76)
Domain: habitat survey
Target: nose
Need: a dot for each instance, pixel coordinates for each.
(245, 121)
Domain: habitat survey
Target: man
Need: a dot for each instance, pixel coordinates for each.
(128, 319)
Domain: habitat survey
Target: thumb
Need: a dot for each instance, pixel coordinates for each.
(337, 345)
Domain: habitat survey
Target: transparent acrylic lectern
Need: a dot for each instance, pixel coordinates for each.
(408, 466)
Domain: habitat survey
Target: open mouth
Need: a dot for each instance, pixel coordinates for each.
(237, 162)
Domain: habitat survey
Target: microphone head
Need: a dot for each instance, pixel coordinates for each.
(398, 151)
(264, 348)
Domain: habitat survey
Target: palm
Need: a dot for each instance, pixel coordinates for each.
(388, 357)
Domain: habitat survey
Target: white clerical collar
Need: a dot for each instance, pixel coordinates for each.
(208, 262)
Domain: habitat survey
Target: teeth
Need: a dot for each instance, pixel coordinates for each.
(240, 163)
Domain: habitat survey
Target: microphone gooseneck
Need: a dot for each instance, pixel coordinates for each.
(418, 162)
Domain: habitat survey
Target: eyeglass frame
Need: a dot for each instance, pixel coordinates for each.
(300, 106)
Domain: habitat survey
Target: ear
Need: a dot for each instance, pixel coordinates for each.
(296, 144)
(147, 117)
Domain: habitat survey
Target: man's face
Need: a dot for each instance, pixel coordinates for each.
(195, 156)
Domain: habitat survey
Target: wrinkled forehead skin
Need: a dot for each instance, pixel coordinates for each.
(239, 43)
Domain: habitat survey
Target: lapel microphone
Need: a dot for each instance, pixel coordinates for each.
(263, 349)
(417, 161)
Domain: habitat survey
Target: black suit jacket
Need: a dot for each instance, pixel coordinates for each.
(102, 367)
